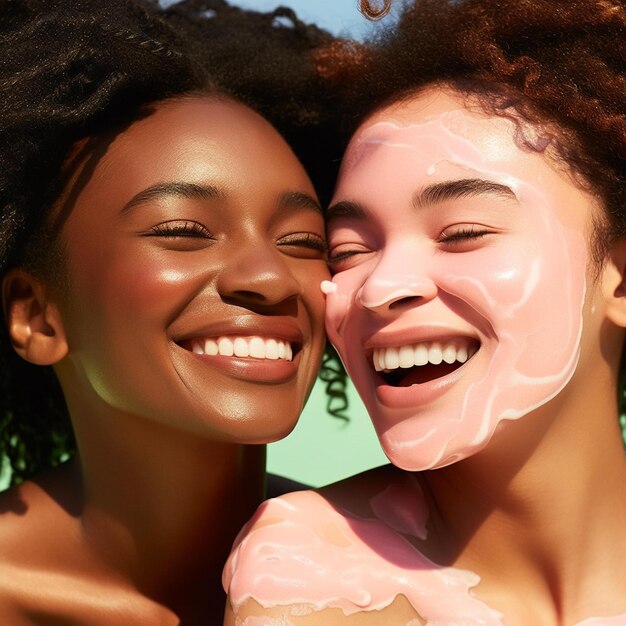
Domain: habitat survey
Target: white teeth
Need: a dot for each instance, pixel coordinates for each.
(240, 346)
(210, 347)
(461, 354)
(434, 352)
(392, 359)
(449, 353)
(225, 346)
(255, 347)
(406, 356)
(271, 349)
(197, 348)
(421, 354)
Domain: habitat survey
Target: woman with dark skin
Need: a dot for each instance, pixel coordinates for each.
(162, 248)
(478, 251)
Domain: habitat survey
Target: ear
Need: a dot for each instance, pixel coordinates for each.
(34, 322)
(614, 283)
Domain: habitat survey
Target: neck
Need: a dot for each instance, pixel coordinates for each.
(547, 497)
(161, 508)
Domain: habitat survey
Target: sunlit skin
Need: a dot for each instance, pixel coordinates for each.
(445, 227)
(205, 242)
(193, 225)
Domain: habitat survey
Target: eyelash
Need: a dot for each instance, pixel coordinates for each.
(306, 240)
(336, 258)
(185, 228)
(464, 233)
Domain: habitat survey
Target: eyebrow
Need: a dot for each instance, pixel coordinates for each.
(176, 189)
(345, 208)
(194, 191)
(463, 188)
(432, 194)
(299, 199)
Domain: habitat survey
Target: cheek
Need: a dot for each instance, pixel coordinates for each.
(531, 296)
(311, 278)
(155, 286)
(341, 303)
(125, 291)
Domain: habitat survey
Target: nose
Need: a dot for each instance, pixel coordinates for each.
(391, 287)
(258, 276)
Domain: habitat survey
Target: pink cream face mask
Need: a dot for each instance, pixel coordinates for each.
(460, 262)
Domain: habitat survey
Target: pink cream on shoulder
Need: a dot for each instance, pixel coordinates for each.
(301, 551)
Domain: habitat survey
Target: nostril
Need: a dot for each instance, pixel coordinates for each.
(406, 302)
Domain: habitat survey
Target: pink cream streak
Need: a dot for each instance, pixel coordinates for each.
(300, 551)
(521, 296)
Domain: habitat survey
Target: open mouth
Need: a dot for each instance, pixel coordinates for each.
(267, 348)
(422, 362)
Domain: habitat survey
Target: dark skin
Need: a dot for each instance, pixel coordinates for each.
(198, 222)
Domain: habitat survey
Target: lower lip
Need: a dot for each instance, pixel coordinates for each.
(415, 395)
(267, 371)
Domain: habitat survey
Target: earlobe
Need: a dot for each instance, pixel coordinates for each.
(614, 283)
(34, 322)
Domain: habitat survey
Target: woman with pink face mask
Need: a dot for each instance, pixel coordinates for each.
(478, 301)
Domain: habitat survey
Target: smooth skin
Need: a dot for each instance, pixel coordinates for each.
(196, 221)
(539, 511)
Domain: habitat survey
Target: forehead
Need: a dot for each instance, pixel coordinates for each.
(440, 136)
(441, 124)
(193, 136)
(196, 139)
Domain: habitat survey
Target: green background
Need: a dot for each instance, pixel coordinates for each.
(323, 448)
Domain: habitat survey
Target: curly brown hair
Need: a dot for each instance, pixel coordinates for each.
(72, 69)
(561, 65)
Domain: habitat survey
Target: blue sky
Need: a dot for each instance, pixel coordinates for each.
(338, 16)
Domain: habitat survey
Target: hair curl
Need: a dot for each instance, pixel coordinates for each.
(71, 69)
(374, 11)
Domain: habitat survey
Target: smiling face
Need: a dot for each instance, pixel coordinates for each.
(460, 265)
(194, 251)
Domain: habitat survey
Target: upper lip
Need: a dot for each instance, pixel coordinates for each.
(267, 327)
(415, 334)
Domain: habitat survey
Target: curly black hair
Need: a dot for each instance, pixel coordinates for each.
(72, 69)
(560, 65)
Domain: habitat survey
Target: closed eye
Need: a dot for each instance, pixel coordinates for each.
(344, 256)
(460, 234)
(179, 228)
(306, 244)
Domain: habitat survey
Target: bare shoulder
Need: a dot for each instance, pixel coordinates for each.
(46, 573)
(355, 552)
(38, 515)
(320, 557)
(34, 531)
